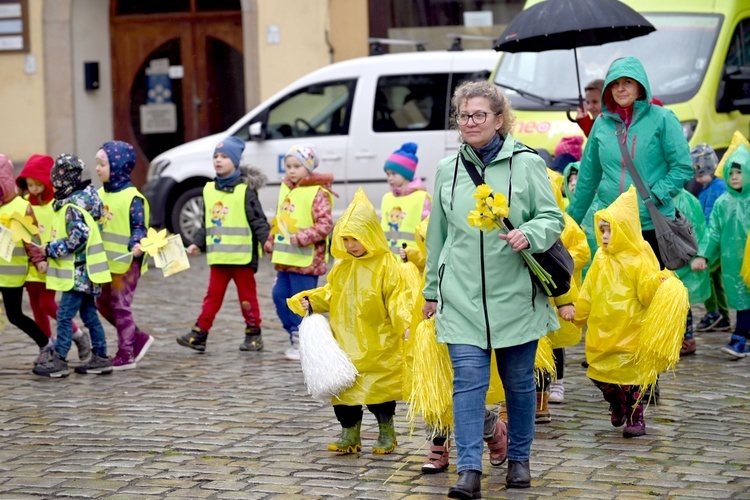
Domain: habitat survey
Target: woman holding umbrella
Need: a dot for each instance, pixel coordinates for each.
(654, 139)
(477, 285)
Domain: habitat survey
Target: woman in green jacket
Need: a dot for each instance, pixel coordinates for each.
(654, 139)
(477, 284)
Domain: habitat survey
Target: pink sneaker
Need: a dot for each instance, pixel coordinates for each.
(123, 361)
(141, 344)
(498, 444)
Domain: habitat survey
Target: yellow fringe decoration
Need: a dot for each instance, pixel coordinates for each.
(662, 331)
(545, 359)
(745, 271)
(431, 392)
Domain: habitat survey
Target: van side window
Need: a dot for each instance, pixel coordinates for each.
(318, 110)
(739, 50)
(410, 102)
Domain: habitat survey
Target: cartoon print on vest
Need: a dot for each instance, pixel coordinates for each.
(395, 217)
(284, 225)
(218, 214)
(107, 216)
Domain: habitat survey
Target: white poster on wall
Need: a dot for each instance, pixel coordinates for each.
(159, 118)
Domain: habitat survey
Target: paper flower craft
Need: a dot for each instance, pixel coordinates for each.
(154, 241)
(22, 227)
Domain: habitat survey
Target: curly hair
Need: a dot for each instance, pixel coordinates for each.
(499, 102)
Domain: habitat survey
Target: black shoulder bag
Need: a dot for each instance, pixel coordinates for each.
(556, 261)
(675, 237)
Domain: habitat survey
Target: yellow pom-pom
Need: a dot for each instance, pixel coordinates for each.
(545, 360)
(431, 393)
(662, 331)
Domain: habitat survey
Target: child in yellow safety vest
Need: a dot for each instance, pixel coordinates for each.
(13, 272)
(370, 309)
(77, 266)
(408, 203)
(35, 185)
(233, 231)
(124, 224)
(299, 234)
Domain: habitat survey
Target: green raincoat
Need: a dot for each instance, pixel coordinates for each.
(728, 231)
(483, 288)
(655, 141)
(698, 283)
(370, 307)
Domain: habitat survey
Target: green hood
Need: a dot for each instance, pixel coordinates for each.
(566, 175)
(741, 157)
(626, 67)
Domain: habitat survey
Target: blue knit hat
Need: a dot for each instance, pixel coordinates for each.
(403, 161)
(233, 148)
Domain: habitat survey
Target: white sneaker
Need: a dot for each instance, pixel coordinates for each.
(557, 392)
(291, 354)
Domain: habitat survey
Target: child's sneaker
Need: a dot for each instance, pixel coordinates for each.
(437, 460)
(688, 347)
(52, 366)
(253, 339)
(141, 345)
(736, 347)
(708, 322)
(195, 339)
(292, 352)
(723, 325)
(498, 444)
(123, 361)
(83, 344)
(557, 392)
(99, 365)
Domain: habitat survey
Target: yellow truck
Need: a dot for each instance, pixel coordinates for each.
(697, 62)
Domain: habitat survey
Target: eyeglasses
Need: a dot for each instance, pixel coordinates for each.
(479, 118)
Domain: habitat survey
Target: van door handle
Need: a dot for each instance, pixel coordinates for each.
(331, 158)
(364, 155)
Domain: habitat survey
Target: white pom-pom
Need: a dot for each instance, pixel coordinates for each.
(325, 366)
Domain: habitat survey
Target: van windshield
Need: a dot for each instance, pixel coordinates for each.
(675, 57)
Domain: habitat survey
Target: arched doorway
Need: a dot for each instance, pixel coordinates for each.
(177, 72)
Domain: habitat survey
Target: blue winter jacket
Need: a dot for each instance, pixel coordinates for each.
(709, 195)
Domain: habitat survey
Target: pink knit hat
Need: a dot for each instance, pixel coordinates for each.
(572, 145)
(403, 161)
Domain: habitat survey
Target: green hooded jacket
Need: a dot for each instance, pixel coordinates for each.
(728, 231)
(655, 141)
(698, 283)
(483, 288)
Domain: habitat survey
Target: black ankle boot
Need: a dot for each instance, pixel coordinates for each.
(467, 486)
(519, 475)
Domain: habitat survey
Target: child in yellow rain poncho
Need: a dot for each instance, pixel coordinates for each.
(370, 310)
(574, 240)
(618, 289)
(728, 240)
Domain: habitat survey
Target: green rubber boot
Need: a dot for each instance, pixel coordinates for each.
(349, 442)
(386, 442)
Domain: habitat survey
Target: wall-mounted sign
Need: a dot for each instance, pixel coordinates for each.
(14, 26)
(159, 114)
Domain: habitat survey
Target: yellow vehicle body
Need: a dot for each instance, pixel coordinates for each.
(702, 35)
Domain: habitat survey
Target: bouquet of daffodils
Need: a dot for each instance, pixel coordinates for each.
(491, 212)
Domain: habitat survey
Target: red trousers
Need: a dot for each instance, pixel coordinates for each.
(221, 275)
(43, 306)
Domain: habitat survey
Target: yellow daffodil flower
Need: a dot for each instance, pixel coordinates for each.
(498, 204)
(154, 241)
(482, 192)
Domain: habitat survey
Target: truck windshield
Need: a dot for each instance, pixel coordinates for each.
(675, 57)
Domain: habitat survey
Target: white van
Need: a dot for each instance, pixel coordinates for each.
(356, 112)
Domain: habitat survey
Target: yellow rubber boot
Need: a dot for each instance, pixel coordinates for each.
(386, 442)
(349, 442)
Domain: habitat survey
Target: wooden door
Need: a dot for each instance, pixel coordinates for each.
(205, 90)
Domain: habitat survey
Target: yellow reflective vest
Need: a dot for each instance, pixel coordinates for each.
(43, 214)
(400, 216)
(61, 272)
(229, 239)
(293, 213)
(13, 273)
(115, 228)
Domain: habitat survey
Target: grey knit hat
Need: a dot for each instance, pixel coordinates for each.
(704, 159)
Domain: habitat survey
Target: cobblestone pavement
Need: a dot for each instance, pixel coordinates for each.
(230, 424)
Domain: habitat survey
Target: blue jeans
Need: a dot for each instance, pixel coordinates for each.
(286, 285)
(471, 378)
(70, 304)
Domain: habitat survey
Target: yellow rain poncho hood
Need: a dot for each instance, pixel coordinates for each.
(369, 305)
(618, 288)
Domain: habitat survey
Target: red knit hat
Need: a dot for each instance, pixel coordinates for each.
(572, 145)
(37, 167)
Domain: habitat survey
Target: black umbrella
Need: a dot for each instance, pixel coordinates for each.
(569, 24)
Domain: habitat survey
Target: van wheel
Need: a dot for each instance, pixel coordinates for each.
(187, 214)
